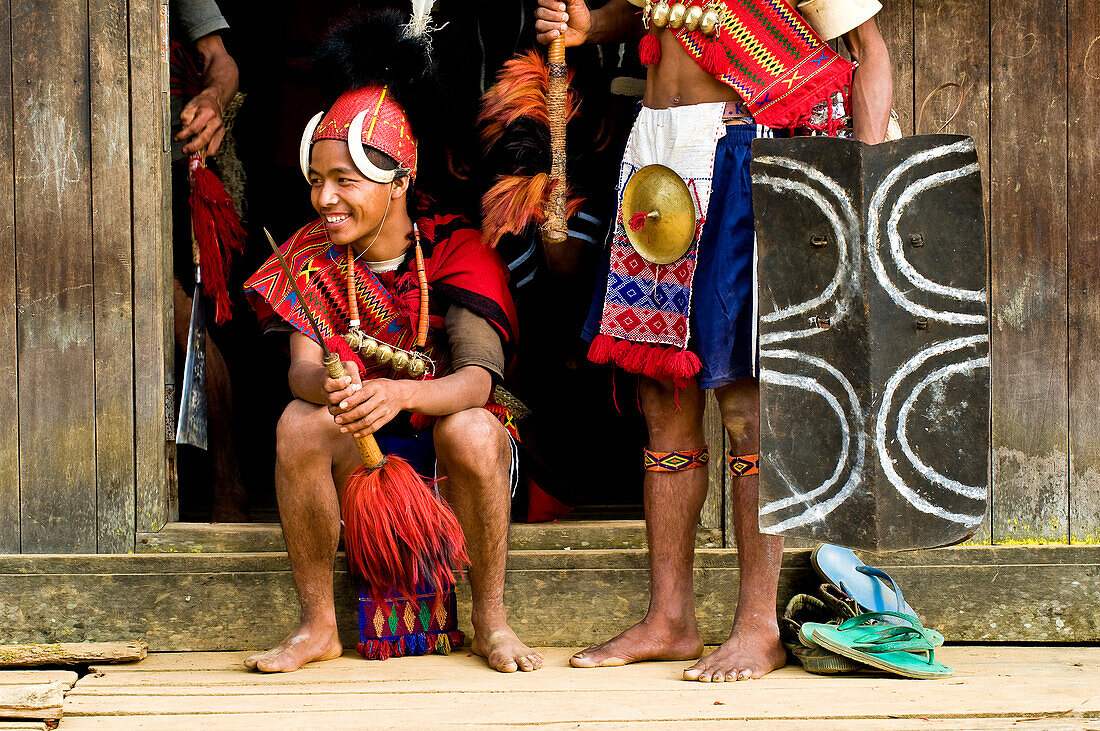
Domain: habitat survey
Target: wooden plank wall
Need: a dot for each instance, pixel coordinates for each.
(1084, 271)
(53, 263)
(1030, 73)
(9, 400)
(148, 38)
(68, 465)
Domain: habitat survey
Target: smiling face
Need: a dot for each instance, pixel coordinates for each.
(352, 207)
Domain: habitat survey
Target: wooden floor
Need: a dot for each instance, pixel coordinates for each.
(994, 687)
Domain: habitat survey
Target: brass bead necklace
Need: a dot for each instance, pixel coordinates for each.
(414, 362)
(704, 17)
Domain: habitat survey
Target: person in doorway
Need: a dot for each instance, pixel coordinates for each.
(199, 110)
(393, 277)
(715, 71)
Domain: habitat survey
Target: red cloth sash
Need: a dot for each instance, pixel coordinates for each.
(771, 57)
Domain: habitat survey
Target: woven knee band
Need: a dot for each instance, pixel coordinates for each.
(687, 459)
(745, 464)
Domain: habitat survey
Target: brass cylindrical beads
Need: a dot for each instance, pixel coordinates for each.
(676, 16)
(709, 22)
(694, 15)
(660, 14)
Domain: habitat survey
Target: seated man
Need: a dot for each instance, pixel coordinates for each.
(364, 265)
(699, 78)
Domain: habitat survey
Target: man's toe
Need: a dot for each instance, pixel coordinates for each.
(692, 673)
(744, 674)
(525, 664)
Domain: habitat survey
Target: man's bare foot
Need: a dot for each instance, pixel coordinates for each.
(750, 652)
(647, 640)
(504, 651)
(301, 646)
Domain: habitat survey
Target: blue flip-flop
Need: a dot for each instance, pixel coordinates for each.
(872, 589)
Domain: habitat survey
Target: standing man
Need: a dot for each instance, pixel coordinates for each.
(703, 90)
(414, 294)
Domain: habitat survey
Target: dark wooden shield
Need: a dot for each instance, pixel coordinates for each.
(874, 340)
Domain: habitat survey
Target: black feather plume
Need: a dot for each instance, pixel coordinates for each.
(370, 47)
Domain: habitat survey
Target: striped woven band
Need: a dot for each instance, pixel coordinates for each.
(679, 461)
(745, 464)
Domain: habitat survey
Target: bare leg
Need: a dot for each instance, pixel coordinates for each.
(672, 505)
(230, 499)
(753, 648)
(475, 456)
(312, 458)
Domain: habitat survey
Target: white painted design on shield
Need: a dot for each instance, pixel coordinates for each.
(898, 253)
(817, 511)
(967, 367)
(911, 495)
(873, 227)
(842, 249)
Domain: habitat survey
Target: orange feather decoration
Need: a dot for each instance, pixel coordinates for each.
(518, 200)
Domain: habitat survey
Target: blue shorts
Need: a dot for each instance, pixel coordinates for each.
(722, 329)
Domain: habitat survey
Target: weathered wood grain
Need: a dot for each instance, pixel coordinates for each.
(991, 688)
(1028, 169)
(112, 274)
(267, 537)
(206, 602)
(713, 512)
(9, 393)
(37, 677)
(962, 27)
(53, 264)
(895, 22)
(71, 653)
(42, 701)
(151, 321)
(1084, 272)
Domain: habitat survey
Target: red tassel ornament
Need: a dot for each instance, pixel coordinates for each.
(714, 59)
(218, 233)
(649, 50)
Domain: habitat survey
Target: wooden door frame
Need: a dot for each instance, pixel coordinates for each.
(154, 349)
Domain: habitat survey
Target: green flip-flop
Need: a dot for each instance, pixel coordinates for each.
(907, 649)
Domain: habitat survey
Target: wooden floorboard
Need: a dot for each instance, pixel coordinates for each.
(993, 687)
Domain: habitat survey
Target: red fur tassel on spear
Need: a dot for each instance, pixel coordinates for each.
(218, 232)
(398, 533)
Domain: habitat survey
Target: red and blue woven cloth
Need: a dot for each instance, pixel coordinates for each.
(771, 57)
(399, 626)
(459, 269)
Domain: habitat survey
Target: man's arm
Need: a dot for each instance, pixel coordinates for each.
(364, 408)
(613, 22)
(202, 118)
(872, 85)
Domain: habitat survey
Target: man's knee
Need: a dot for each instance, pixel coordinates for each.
(668, 409)
(472, 439)
(303, 428)
(739, 405)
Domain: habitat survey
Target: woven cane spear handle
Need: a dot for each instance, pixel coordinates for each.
(554, 230)
(369, 451)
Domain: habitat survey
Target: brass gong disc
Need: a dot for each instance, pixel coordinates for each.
(662, 196)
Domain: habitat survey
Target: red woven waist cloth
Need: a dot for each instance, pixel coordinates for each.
(770, 56)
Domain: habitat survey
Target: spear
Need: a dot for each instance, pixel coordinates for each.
(398, 533)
